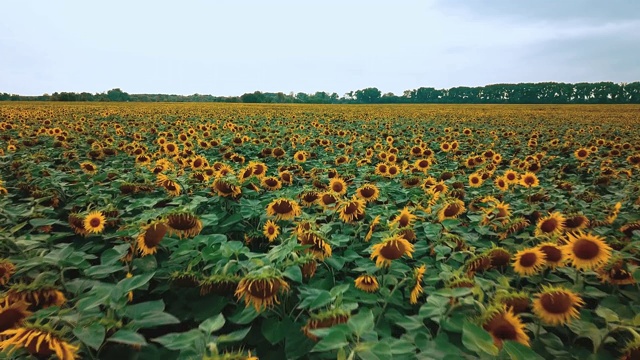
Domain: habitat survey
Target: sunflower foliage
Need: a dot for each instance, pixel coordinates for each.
(215, 231)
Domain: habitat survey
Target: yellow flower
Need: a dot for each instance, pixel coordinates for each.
(389, 249)
(528, 261)
(586, 251)
(418, 274)
(94, 222)
(271, 230)
(38, 342)
(283, 209)
(556, 305)
(367, 283)
(504, 325)
(261, 290)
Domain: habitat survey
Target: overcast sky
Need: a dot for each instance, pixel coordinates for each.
(233, 47)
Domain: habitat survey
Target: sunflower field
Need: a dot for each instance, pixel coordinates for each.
(219, 231)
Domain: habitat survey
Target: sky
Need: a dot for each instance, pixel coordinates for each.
(232, 47)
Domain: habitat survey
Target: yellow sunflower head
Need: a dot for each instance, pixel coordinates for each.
(529, 180)
(39, 341)
(94, 222)
(529, 261)
(12, 313)
(551, 225)
(261, 289)
(504, 325)
(283, 209)
(271, 230)
(325, 320)
(403, 219)
(553, 254)
(150, 237)
(557, 305)
(391, 248)
(368, 192)
(586, 251)
(184, 224)
(451, 209)
(367, 283)
(351, 210)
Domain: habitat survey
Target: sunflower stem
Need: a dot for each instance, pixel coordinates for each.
(386, 301)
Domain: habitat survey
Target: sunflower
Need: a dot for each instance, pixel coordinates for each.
(576, 222)
(7, 269)
(528, 261)
(367, 283)
(616, 272)
(368, 192)
(88, 167)
(403, 219)
(172, 187)
(338, 186)
(12, 313)
(150, 237)
(557, 305)
(372, 227)
(259, 169)
(418, 274)
(422, 164)
(475, 180)
(286, 177)
(225, 188)
(261, 289)
(517, 301)
(271, 183)
(553, 254)
(582, 154)
(318, 247)
(184, 224)
(283, 209)
(499, 256)
(309, 198)
(352, 210)
(328, 199)
(501, 183)
(94, 222)
(37, 296)
(504, 325)
(219, 284)
(38, 341)
(271, 230)
(324, 320)
(511, 176)
(586, 251)
(300, 156)
(529, 180)
(389, 249)
(631, 350)
(551, 225)
(451, 209)
(381, 169)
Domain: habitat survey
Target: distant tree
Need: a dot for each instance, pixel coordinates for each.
(368, 95)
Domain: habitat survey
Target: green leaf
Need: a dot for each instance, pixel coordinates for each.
(138, 311)
(274, 330)
(518, 351)
(332, 341)
(154, 319)
(477, 339)
(92, 335)
(235, 336)
(124, 336)
(607, 314)
(180, 341)
(243, 316)
(135, 282)
(102, 271)
(314, 298)
(294, 273)
(212, 324)
(361, 322)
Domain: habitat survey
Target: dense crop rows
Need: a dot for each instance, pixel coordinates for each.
(373, 232)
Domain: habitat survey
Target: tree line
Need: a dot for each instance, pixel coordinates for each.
(522, 93)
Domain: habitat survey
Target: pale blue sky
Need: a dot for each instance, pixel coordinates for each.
(233, 47)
